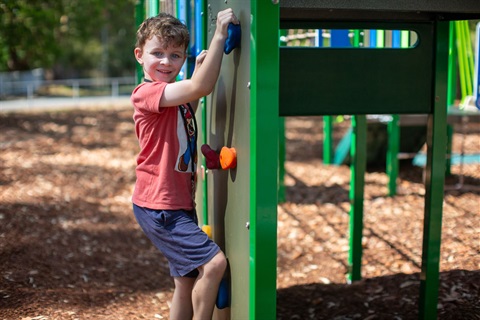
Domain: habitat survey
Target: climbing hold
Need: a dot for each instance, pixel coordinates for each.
(233, 38)
(208, 230)
(212, 158)
(228, 158)
(223, 300)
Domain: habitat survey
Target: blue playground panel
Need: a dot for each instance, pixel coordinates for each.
(420, 159)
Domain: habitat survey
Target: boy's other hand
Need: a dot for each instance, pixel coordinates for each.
(200, 58)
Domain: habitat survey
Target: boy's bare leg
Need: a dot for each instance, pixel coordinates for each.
(181, 307)
(205, 289)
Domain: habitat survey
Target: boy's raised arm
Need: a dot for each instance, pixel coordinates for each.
(204, 79)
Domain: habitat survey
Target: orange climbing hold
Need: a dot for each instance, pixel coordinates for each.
(228, 158)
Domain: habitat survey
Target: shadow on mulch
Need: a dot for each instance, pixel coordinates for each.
(388, 297)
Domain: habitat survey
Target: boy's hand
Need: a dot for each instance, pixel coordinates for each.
(224, 18)
(199, 60)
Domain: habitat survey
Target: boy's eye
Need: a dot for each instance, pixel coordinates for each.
(158, 54)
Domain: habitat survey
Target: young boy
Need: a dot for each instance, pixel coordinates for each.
(163, 199)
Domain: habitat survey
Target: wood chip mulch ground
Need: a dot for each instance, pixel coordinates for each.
(71, 249)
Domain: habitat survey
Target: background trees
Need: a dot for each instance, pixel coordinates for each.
(71, 38)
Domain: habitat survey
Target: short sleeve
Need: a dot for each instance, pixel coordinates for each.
(147, 96)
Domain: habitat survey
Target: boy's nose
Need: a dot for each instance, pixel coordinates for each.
(165, 60)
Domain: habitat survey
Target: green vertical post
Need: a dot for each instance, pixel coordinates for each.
(451, 89)
(357, 38)
(452, 66)
(201, 5)
(327, 139)
(264, 89)
(358, 154)
(139, 16)
(357, 181)
(393, 129)
(435, 179)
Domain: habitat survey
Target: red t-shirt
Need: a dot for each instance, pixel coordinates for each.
(164, 168)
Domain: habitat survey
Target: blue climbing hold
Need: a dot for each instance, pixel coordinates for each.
(233, 38)
(223, 299)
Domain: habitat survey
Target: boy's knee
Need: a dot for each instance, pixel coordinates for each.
(218, 264)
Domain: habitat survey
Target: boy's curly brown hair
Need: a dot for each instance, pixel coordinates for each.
(167, 28)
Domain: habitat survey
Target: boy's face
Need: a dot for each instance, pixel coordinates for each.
(160, 63)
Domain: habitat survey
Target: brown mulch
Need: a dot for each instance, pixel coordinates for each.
(70, 247)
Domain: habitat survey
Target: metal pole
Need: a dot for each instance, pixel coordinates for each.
(357, 183)
(139, 16)
(435, 179)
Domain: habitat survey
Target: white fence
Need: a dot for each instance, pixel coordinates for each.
(31, 85)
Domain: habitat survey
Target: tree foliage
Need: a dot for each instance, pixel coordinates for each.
(71, 37)
(28, 32)
(74, 38)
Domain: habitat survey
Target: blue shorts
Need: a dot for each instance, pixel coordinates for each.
(177, 235)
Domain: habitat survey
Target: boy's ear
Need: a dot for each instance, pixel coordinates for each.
(138, 55)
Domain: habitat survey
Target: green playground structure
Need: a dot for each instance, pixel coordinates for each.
(261, 82)
(395, 137)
